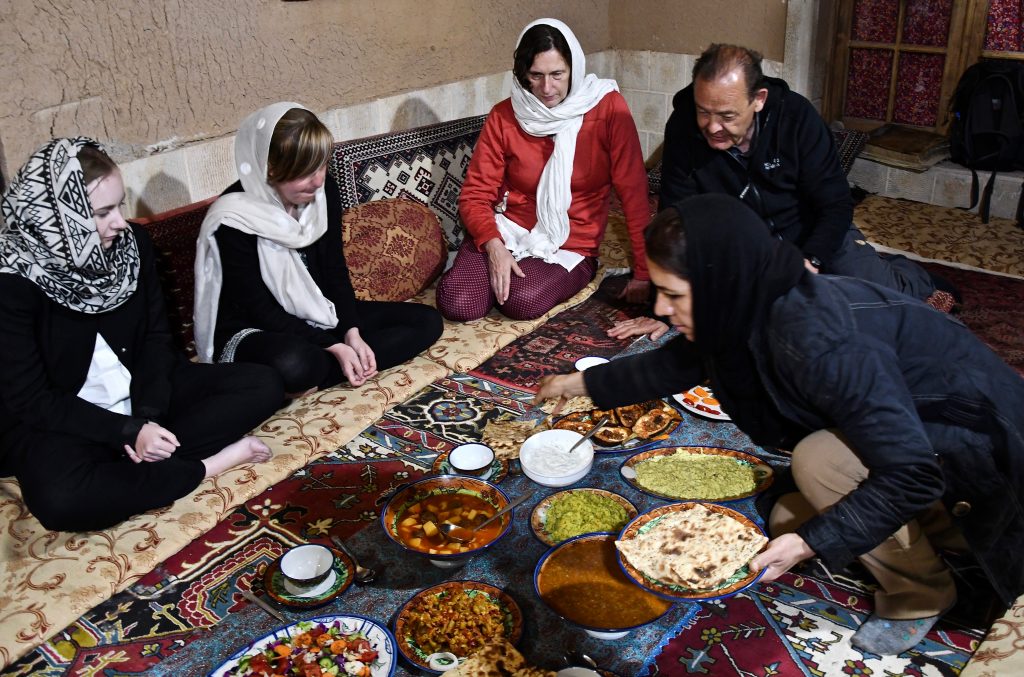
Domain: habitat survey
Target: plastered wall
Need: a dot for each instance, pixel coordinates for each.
(687, 27)
(144, 75)
(164, 84)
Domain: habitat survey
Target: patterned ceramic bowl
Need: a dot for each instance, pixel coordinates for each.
(451, 498)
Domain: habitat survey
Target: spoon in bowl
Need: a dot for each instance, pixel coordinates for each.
(466, 534)
(590, 433)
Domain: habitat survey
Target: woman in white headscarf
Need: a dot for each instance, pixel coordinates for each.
(100, 417)
(272, 286)
(536, 196)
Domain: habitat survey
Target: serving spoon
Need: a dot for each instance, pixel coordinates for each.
(466, 534)
(590, 433)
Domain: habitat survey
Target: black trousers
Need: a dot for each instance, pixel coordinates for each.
(73, 484)
(394, 331)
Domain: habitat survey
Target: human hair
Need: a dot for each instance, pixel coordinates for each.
(538, 39)
(299, 146)
(665, 242)
(95, 163)
(719, 59)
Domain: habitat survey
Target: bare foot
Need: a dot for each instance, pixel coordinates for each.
(245, 450)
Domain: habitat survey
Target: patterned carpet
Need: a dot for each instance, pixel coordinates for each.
(942, 234)
(796, 626)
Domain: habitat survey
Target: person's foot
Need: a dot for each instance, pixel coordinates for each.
(245, 450)
(888, 636)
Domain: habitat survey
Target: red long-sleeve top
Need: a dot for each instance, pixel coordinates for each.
(607, 154)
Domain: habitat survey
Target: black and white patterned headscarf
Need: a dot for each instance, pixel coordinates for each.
(49, 235)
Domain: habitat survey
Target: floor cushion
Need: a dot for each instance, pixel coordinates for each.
(394, 248)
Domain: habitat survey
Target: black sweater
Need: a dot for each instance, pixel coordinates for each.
(793, 178)
(246, 302)
(46, 350)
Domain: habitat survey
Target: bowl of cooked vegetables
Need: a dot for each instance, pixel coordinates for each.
(415, 515)
(455, 618)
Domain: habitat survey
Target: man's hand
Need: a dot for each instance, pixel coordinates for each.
(566, 385)
(638, 326)
(810, 266)
(153, 443)
(636, 291)
(500, 266)
(781, 555)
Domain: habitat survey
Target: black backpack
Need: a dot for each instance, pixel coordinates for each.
(987, 131)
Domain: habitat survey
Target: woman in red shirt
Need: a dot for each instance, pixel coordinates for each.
(535, 200)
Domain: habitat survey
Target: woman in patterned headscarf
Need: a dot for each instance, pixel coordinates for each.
(100, 417)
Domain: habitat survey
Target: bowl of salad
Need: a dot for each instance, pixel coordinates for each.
(325, 646)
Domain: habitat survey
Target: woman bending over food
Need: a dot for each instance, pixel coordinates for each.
(907, 431)
(272, 286)
(535, 199)
(100, 417)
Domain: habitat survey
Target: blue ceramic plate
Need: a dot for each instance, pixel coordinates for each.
(380, 638)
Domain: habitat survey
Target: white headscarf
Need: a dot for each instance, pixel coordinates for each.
(258, 210)
(554, 193)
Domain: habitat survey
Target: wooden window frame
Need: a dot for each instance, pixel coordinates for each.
(967, 25)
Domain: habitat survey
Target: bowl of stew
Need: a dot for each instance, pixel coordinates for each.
(413, 515)
(581, 581)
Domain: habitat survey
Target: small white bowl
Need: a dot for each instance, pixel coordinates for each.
(306, 566)
(471, 459)
(552, 442)
(589, 361)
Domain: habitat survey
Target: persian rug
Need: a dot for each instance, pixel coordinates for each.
(801, 624)
(554, 347)
(992, 308)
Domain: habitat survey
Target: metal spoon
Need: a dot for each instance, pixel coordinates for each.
(466, 534)
(263, 605)
(363, 574)
(590, 433)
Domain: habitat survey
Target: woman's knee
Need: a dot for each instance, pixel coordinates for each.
(461, 303)
(300, 366)
(527, 302)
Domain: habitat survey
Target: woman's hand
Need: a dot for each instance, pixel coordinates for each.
(500, 266)
(781, 555)
(638, 326)
(636, 291)
(566, 385)
(351, 363)
(153, 443)
(367, 360)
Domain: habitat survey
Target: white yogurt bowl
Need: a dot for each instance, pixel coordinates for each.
(545, 460)
(589, 361)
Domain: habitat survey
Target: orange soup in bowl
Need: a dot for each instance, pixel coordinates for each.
(582, 582)
(419, 524)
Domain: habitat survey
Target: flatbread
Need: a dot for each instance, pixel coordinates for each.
(571, 406)
(696, 549)
(506, 436)
(498, 659)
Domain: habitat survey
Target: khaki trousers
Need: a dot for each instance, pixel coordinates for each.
(913, 581)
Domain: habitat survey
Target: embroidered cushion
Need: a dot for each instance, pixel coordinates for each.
(394, 248)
